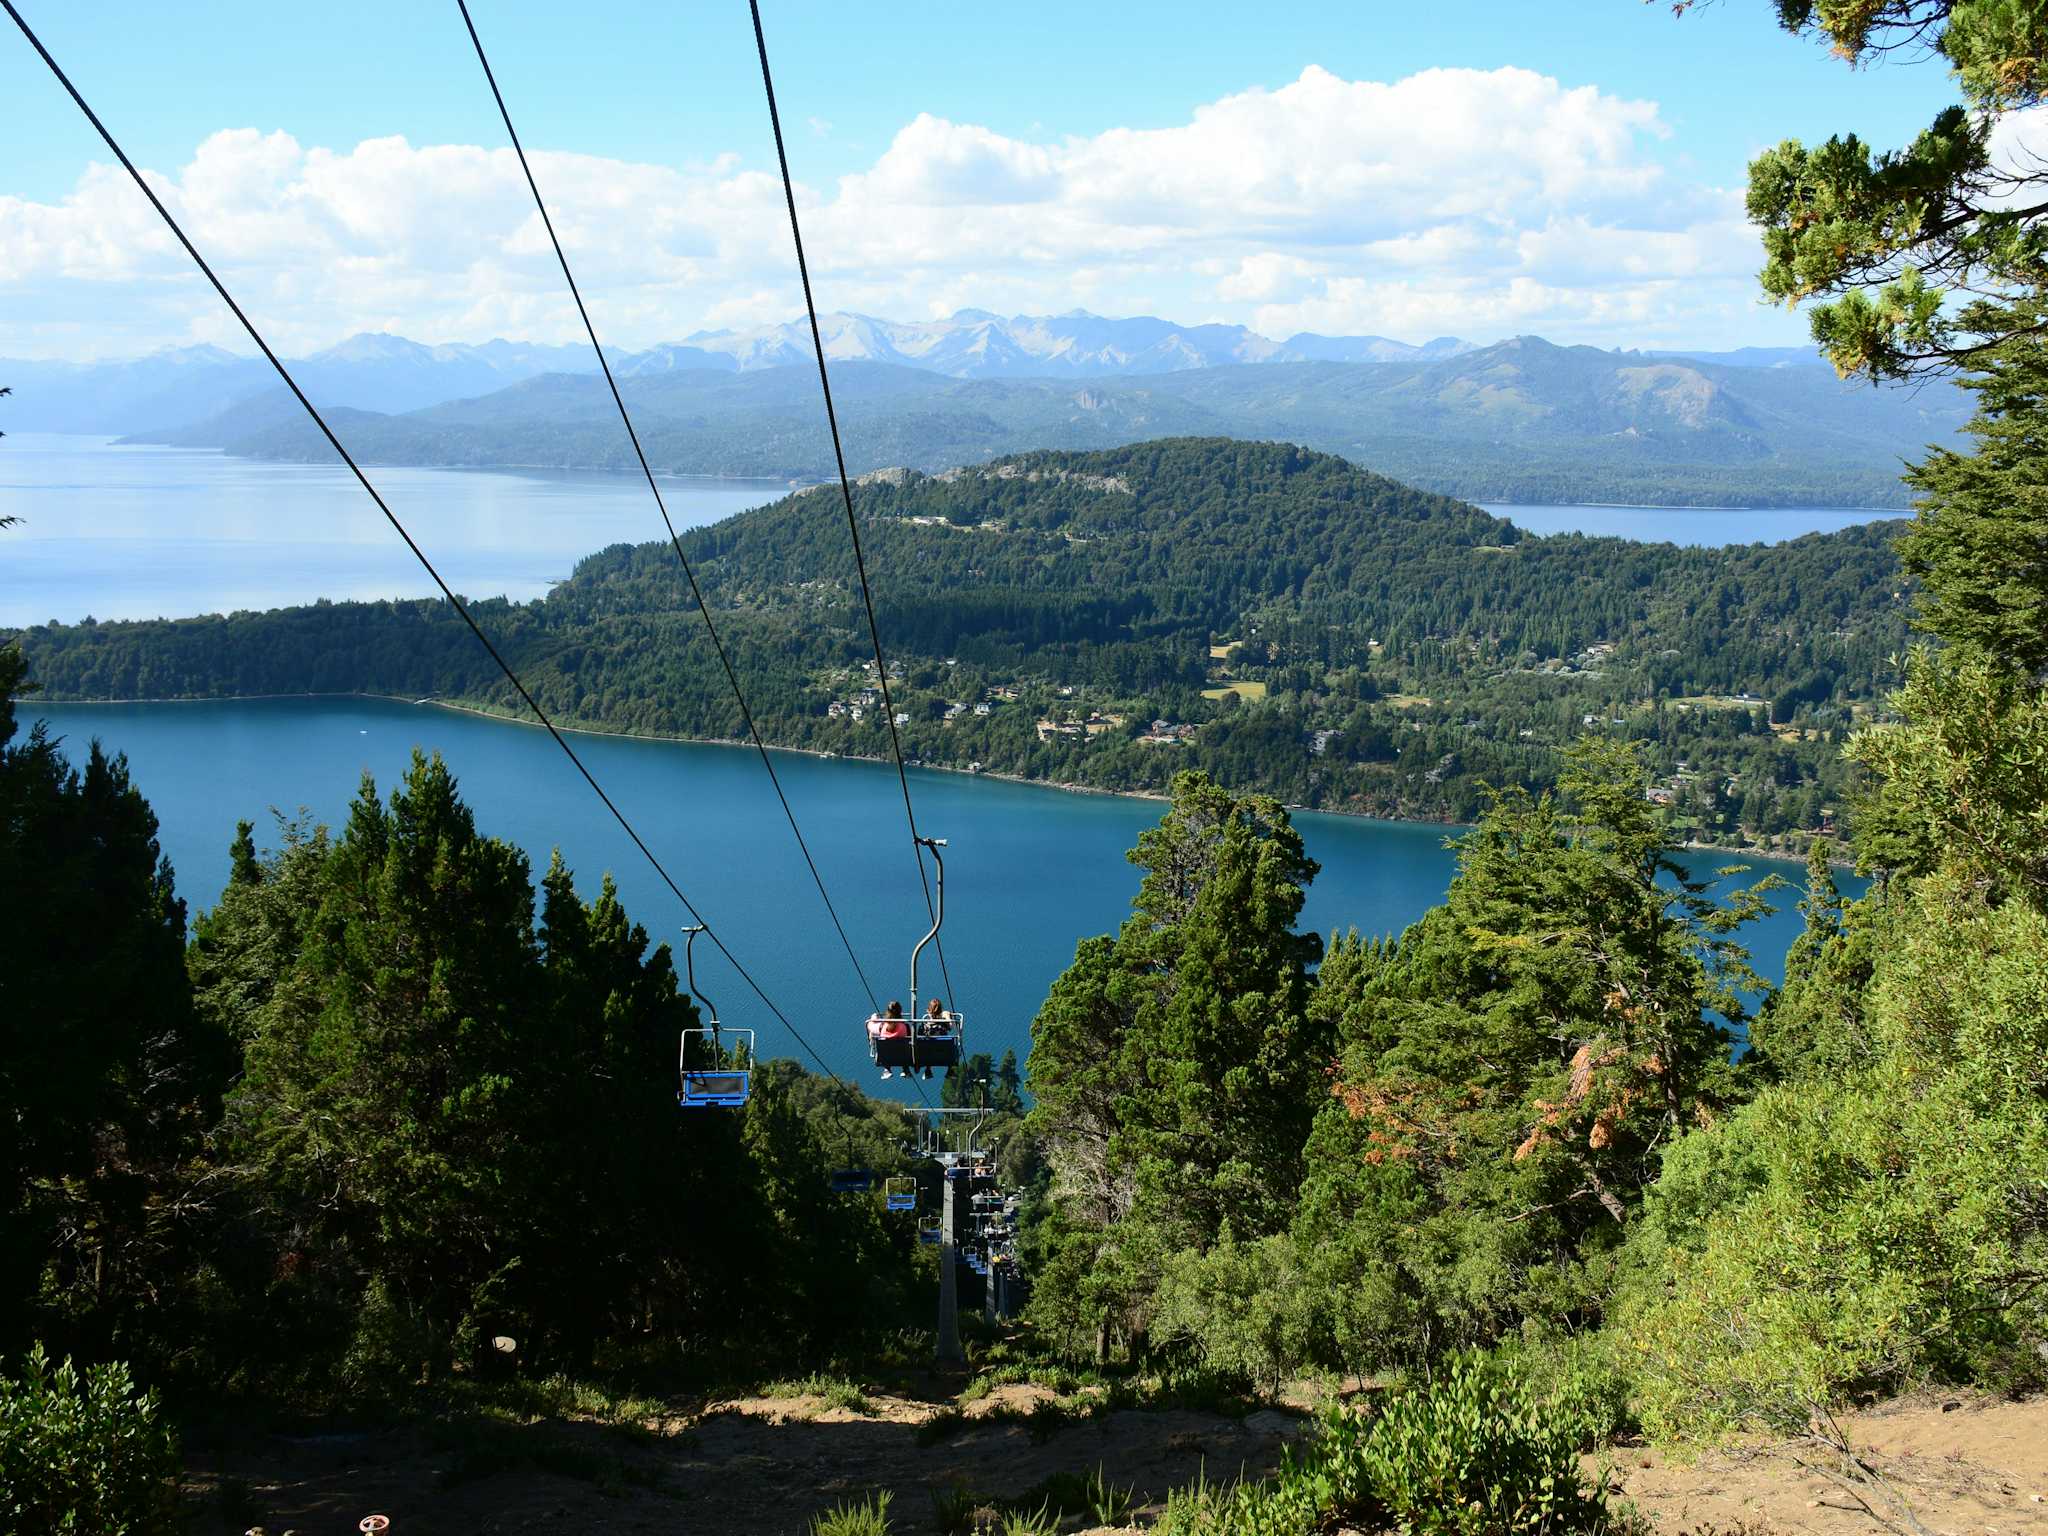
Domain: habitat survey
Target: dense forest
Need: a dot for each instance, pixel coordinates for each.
(1521, 421)
(1274, 617)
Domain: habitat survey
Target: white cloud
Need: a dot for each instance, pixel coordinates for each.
(1468, 201)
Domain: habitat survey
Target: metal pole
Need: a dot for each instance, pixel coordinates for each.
(949, 1350)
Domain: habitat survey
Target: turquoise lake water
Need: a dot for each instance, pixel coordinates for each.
(1030, 870)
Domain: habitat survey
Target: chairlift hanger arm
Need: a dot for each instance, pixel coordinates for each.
(938, 913)
(690, 973)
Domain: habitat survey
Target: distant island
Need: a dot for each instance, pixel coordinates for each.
(1273, 615)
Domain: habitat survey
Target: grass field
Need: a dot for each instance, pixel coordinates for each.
(1249, 691)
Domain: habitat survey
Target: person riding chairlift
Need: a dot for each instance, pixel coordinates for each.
(936, 1024)
(891, 1026)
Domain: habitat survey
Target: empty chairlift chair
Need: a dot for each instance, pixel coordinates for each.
(851, 1178)
(900, 1193)
(714, 1066)
(930, 1230)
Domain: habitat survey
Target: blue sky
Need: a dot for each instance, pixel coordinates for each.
(956, 154)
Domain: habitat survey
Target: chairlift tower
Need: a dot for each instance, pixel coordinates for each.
(958, 1166)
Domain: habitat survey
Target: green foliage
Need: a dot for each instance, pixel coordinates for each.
(1963, 778)
(1042, 1521)
(835, 1391)
(863, 1517)
(84, 1454)
(1511, 1069)
(1891, 238)
(1243, 1310)
(953, 1509)
(1469, 1454)
(1980, 542)
(1870, 1228)
(108, 1076)
(1107, 1503)
(1174, 1065)
(456, 1122)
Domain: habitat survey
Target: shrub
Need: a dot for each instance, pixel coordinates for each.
(1468, 1455)
(953, 1510)
(836, 1391)
(1109, 1504)
(84, 1455)
(865, 1517)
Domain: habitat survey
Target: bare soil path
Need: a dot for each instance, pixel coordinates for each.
(765, 1466)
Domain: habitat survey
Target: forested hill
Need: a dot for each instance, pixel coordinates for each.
(1521, 421)
(1275, 615)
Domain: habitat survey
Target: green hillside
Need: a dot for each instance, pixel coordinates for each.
(1298, 625)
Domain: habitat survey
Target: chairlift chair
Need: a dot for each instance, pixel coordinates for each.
(930, 1230)
(924, 1043)
(852, 1177)
(714, 1066)
(900, 1193)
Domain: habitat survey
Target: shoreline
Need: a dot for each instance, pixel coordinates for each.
(1063, 786)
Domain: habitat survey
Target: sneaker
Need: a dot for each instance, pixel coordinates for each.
(887, 1074)
(927, 1074)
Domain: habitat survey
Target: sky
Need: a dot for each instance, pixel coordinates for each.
(1474, 168)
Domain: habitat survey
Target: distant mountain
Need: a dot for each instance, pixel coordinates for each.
(1755, 357)
(1521, 421)
(974, 344)
(172, 390)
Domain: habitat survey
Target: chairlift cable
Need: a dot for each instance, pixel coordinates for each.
(391, 517)
(675, 541)
(845, 485)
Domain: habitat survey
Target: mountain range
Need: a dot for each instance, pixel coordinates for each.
(182, 386)
(1520, 421)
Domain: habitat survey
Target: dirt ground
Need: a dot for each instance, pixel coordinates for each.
(1967, 1467)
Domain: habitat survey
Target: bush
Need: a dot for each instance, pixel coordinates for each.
(1471, 1454)
(836, 1391)
(84, 1456)
(865, 1517)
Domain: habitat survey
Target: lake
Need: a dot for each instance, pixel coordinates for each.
(1692, 525)
(1030, 870)
(144, 532)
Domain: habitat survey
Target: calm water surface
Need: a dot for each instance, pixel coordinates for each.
(1029, 871)
(1712, 526)
(143, 533)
